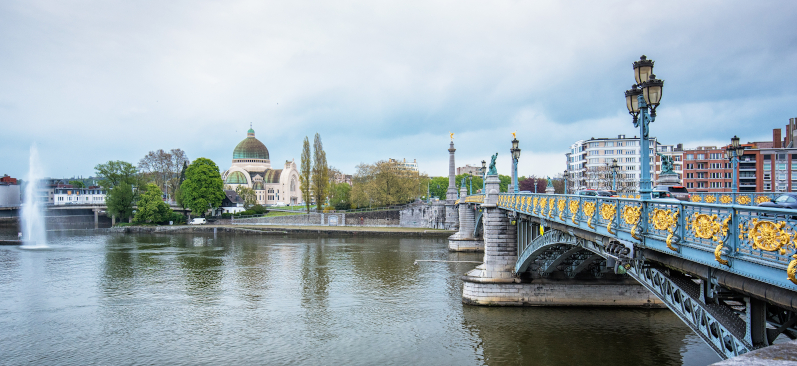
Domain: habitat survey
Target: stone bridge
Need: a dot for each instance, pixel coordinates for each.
(726, 268)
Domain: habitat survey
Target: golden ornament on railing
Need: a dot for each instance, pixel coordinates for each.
(696, 198)
(560, 205)
(573, 210)
(665, 220)
(761, 199)
(743, 200)
(542, 204)
(767, 235)
(725, 199)
(608, 211)
(589, 210)
(711, 199)
(631, 215)
(637, 196)
(709, 227)
(791, 270)
(534, 205)
(551, 204)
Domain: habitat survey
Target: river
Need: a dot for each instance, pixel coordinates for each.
(115, 299)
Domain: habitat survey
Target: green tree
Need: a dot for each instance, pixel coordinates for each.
(77, 184)
(151, 208)
(304, 173)
(248, 195)
(438, 187)
(320, 176)
(115, 172)
(385, 184)
(203, 188)
(120, 200)
(340, 196)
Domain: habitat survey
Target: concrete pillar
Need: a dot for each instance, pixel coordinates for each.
(463, 240)
(96, 218)
(500, 241)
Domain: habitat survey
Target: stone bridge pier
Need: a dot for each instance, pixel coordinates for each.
(495, 282)
(465, 239)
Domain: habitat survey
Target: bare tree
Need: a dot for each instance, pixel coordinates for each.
(164, 168)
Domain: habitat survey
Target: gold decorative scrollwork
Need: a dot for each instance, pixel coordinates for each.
(543, 202)
(551, 205)
(791, 270)
(709, 227)
(573, 211)
(711, 199)
(589, 210)
(560, 205)
(725, 199)
(631, 215)
(743, 200)
(665, 220)
(696, 198)
(767, 235)
(761, 199)
(637, 196)
(608, 211)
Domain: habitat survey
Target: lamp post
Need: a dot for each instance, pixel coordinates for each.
(614, 168)
(484, 175)
(470, 184)
(643, 96)
(565, 175)
(733, 152)
(515, 156)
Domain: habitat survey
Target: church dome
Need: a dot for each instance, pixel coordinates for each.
(250, 148)
(236, 178)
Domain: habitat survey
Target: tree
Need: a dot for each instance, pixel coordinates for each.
(203, 188)
(120, 200)
(320, 175)
(438, 187)
(384, 184)
(304, 173)
(477, 182)
(178, 193)
(151, 208)
(164, 168)
(340, 196)
(77, 184)
(116, 172)
(248, 195)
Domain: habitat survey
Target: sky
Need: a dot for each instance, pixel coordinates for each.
(86, 82)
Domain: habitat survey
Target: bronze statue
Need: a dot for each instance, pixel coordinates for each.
(666, 164)
(492, 170)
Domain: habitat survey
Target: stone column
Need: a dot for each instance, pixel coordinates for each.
(96, 218)
(466, 218)
(500, 242)
(452, 217)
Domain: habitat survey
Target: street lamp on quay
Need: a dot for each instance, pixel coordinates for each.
(515, 156)
(614, 167)
(643, 96)
(732, 152)
(565, 175)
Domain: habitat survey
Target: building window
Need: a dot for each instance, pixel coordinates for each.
(780, 166)
(690, 157)
(767, 165)
(701, 156)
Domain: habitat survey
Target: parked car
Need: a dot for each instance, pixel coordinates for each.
(198, 221)
(587, 192)
(607, 193)
(661, 195)
(677, 192)
(786, 200)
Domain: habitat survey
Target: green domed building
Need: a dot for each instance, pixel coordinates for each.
(251, 167)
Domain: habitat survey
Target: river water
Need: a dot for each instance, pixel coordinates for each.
(278, 300)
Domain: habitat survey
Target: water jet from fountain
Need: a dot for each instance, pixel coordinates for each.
(34, 234)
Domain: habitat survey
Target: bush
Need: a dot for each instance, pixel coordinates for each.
(226, 215)
(343, 206)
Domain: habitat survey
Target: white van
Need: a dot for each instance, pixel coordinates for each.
(198, 221)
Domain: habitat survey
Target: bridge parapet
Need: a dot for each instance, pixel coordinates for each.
(754, 242)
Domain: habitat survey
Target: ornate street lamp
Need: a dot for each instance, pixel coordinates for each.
(565, 175)
(644, 95)
(614, 167)
(470, 184)
(733, 152)
(515, 156)
(484, 175)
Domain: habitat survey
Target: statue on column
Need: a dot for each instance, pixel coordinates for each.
(492, 170)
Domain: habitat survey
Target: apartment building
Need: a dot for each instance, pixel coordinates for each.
(589, 161)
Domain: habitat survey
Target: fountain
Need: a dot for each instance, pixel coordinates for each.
(32, 219)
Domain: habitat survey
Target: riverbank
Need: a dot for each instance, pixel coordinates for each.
(287, 229)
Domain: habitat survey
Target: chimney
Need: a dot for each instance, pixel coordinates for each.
(776, 141)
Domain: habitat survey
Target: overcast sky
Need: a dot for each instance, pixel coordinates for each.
(92, 81)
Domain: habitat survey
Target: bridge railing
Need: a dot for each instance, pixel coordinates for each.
(755, 242)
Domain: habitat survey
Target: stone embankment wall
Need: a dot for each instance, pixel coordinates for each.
(312, 219)
(374, 218)
(422, 214)
(265, 230)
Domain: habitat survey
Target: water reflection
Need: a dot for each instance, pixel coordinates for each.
(188, 299)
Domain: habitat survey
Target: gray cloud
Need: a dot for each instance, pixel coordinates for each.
(93, 81)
